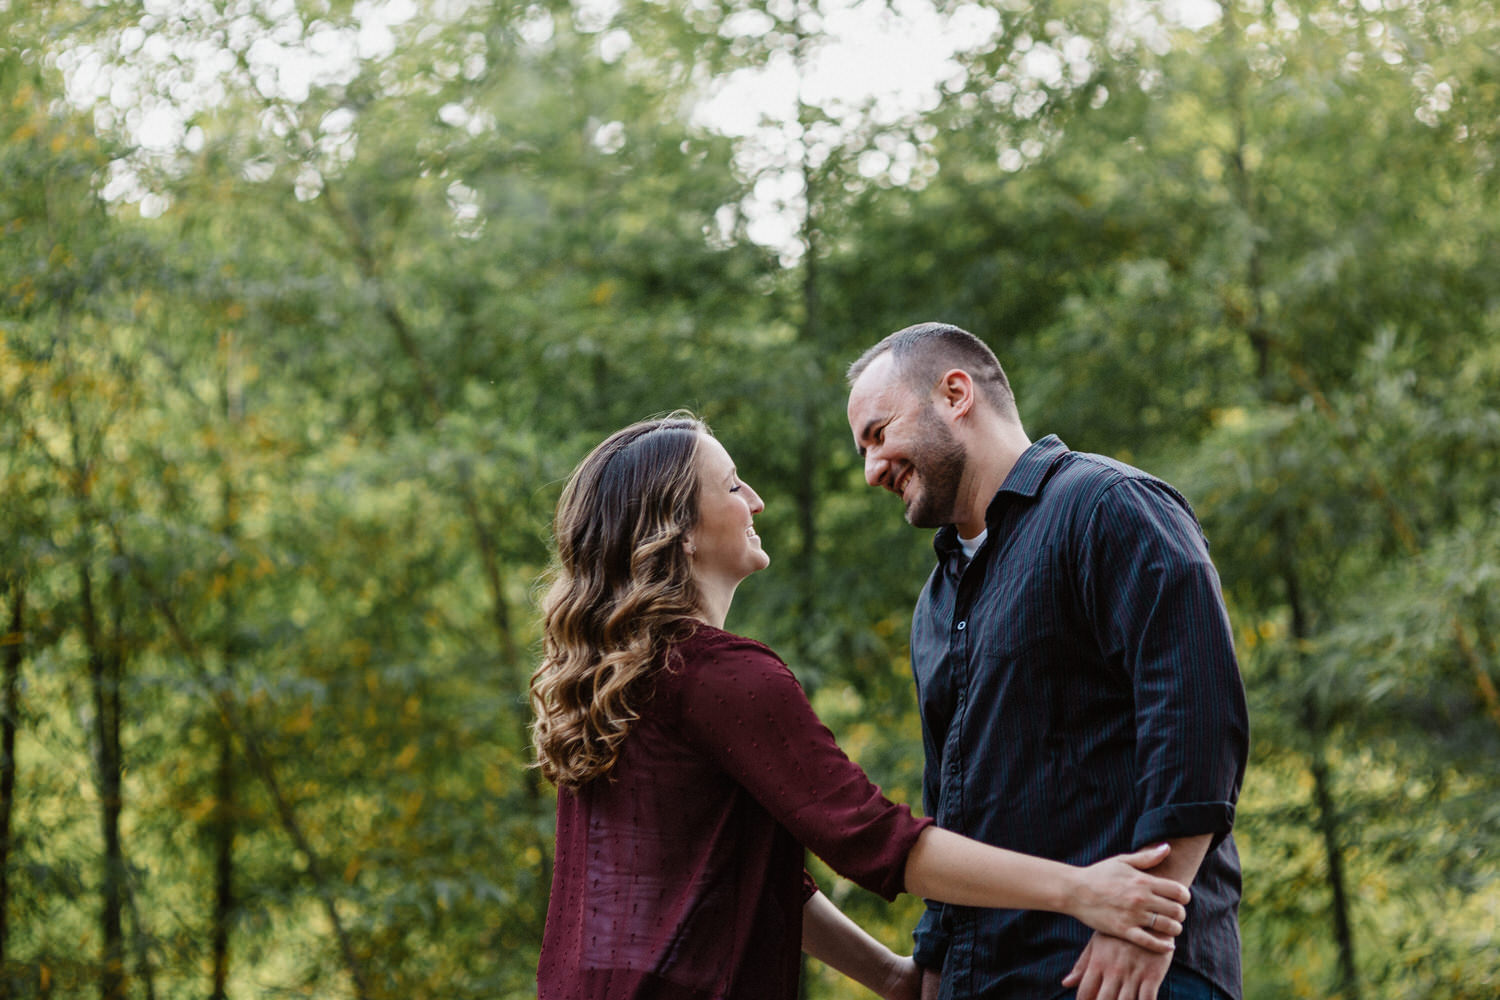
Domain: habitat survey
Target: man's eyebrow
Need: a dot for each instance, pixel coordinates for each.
(865, 433)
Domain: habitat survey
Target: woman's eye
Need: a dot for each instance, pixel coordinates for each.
(736, 487)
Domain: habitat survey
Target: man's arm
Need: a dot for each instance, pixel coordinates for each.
(841, 944)
(1156, 606)
(1156, 603)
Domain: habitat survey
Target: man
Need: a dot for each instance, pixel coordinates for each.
(1075, 672)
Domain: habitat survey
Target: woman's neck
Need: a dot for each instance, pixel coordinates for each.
(713, 605)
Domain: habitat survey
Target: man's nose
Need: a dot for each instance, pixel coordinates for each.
(875, 468)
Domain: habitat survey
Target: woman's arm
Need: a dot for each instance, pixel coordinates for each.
(841, 944)
(806, 782)
(1113, 896)
(1110, 967)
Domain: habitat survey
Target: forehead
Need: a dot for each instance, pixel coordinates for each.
(713, 458)
(877, 393)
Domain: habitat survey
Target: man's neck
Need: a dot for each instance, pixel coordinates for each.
(991, 459)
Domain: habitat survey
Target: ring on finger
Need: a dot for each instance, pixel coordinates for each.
(1152, 923)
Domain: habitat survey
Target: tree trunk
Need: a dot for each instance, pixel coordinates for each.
(1328, 828)
(1328, 817)
(10, 708)
(145, 972)
(104, 681)
(105, 670)
(223, 841)
(226, 775)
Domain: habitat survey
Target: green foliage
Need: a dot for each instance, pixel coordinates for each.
(286, 404)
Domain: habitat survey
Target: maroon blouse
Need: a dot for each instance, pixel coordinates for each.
(680, 876)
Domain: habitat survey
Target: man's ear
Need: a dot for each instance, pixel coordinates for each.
(955, 393)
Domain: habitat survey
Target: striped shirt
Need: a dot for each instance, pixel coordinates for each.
(1080, 698)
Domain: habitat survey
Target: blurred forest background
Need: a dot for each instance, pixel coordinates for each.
(307, 307)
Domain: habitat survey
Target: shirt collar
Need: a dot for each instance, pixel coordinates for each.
(1032, 469)
(1025, 479)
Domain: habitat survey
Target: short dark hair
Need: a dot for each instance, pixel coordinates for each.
(925, 351)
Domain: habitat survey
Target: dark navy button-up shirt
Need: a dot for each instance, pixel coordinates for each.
(1080, 698)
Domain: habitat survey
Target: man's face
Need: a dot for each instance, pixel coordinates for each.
(907, 447)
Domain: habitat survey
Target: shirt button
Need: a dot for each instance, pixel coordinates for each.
(961, 626)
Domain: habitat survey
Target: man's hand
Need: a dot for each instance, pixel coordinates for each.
(931, 980)
(1112, 969)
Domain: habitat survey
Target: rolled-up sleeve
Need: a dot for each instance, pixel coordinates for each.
(747, 711)
(1155, 601)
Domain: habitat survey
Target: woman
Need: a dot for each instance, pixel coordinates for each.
(692, 772)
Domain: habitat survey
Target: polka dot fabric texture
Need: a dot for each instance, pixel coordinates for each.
(679, 876)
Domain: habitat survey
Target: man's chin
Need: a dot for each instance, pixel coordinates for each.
(919, 516)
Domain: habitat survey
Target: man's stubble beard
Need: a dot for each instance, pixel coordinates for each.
(939, 462)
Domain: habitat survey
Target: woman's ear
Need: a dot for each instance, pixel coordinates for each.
(689, 546)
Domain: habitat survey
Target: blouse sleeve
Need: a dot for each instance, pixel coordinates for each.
(743, 708)
(809, 886)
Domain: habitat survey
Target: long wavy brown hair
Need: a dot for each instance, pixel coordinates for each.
(621, 591)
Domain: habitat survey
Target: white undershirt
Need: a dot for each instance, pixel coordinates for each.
(971, 545)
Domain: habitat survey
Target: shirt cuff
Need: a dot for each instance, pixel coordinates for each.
(809, 886)
(1193, 819)
(929, 941)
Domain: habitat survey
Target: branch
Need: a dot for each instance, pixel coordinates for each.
(1486, 685)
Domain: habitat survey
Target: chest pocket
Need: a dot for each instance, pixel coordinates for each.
(1032, 653)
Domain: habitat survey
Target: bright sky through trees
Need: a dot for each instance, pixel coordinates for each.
(875, 62)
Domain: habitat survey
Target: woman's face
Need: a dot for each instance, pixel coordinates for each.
(724, 544)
